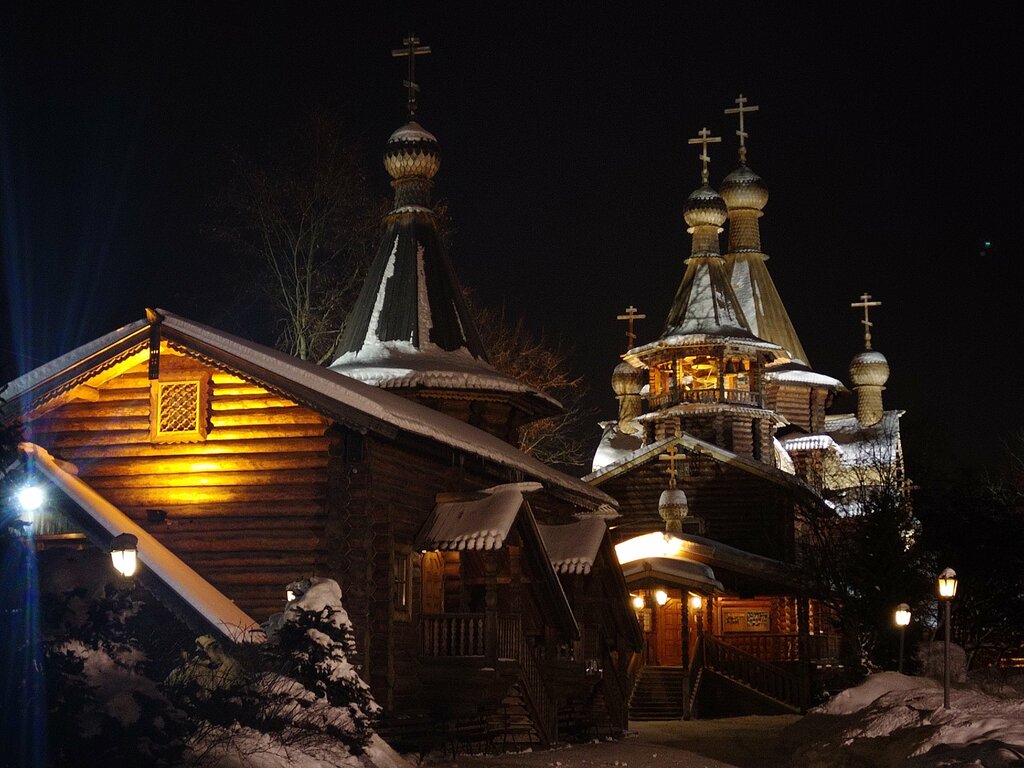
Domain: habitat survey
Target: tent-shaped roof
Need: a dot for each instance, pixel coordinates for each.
(761, 304)
(347, 401)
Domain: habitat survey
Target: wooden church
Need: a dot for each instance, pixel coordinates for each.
(721, 450)
(482, 584)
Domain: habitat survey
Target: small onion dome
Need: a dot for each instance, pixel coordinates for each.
(627, 380)
(412, 151)
(744, 189)
(673, 505)
(705, 207)
(869, 369)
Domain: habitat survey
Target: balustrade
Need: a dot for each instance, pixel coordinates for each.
(453, 635)
(674, 396)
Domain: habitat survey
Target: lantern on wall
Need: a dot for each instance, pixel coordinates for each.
(661, 597)
(30, 499)
(124, 553)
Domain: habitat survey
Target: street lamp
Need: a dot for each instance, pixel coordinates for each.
(902, 620)
(124, 552)
(30, 498)
(947, 591)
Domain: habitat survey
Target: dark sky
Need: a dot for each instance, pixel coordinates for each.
(889, 144)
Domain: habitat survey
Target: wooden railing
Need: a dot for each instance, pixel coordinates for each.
(778, 647)
(673, 396)
(751, 671)
(512, 645)
(453, 634)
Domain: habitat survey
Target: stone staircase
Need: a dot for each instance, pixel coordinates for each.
(659, 694)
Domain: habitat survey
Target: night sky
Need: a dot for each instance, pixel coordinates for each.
(889, 145)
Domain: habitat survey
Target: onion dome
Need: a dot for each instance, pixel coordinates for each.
(412, 151)
(744, 189)
(673, 507)
(869, 369)
(627, 380)
(705, 208)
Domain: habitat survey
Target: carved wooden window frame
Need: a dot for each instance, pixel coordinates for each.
(401, 583)
(202, 418)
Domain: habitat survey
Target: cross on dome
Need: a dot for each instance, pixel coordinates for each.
(671, 456)
(741, 109)
(630, 317)
(866, 303)
(704, 138)
(412, 49)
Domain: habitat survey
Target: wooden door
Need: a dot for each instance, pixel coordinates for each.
(432, 583)
(670, 633)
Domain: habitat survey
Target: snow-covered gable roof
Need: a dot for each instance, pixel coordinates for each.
(349, 401)
(859, 446)
(802, 376)
(614, 446)
(476, 524)
(573, 547)
(705, 302)
(675, 571)
(211, 604)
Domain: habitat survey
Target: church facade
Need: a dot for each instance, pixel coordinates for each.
(722, 450)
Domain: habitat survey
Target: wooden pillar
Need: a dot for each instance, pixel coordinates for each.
(491, 605)
(803, 612)
(685, 619)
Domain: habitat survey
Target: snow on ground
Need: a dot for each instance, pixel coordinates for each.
(892, 719)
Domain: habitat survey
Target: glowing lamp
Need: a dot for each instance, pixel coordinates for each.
(124, 552)
(902, 615)
(30, 498)
(947, 584)
(661, 597)
(290, 595)
(638, 602)
(696, 602)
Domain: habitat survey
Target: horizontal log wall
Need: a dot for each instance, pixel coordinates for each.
(244, 507)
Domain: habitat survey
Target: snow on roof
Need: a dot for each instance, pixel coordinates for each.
(614, 446)
(809, 378)
(692, 339)
(412, 131)
(861, 446)
(573, 548)
(782, 458)
(798, 443)
(38, 375)
(686, 572)
(476, 524)
(196, 591)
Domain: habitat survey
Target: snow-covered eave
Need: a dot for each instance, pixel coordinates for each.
(726, 558)
(211, 604)
(27, 391)
(691, 443)
(370, 408)
(805, 377)
(700, 339)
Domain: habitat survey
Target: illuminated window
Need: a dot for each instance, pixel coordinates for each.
(178, 410)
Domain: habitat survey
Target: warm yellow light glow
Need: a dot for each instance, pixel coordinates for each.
(696, 602)
(638, 602)
(661, 597)
(204, 466)
(124, 554)
(902, 615)
(649, 545)
(947, 584)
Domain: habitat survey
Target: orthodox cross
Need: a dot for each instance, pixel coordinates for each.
(865, 302)
(741, 109)
(412, 49)
(671, 456)
(704, 139)
(630, 317)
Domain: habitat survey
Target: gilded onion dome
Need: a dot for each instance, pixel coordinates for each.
(869, 369)
(744, 189)
(627, 380)
(705, 208)
(412, 152)
(673, 507)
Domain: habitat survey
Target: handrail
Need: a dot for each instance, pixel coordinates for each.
(696, 673)
(512, 646)
(453, 635)
(766, 678)
(784, 647)
(714, 395)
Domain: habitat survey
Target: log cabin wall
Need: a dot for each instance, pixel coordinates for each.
(737, 508)
(244, 506)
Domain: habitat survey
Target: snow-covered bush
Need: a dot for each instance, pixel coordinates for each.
(295, 693)
(103, 709)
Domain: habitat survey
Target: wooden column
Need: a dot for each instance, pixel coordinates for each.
(491, 605)
(803, 640)
(685, 619)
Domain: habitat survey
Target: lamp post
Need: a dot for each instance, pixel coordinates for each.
(902, 620)
(947, 591)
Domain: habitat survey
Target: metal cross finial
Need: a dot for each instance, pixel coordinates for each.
(630, 317)
(412, 49)
(741, 109)
(704, 139)
(671, 456)
(865, 302)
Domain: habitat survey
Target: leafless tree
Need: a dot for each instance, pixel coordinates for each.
(306, 215)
